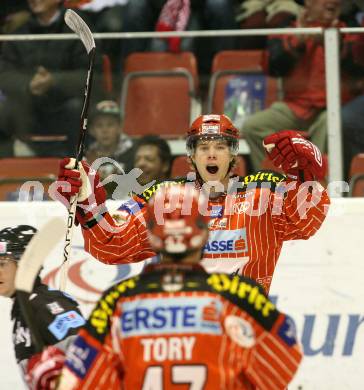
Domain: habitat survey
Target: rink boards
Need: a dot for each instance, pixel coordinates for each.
(318, 282)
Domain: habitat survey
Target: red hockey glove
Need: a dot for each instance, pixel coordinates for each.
(43, 369)
(72, 177)
(299, 158)
(86, 183)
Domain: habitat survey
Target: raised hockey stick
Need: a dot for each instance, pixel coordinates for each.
(29, 266)
(78, 25)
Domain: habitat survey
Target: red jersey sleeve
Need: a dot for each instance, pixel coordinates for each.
(298, 210)
(275, 358)
(120, 237)
(106, 370)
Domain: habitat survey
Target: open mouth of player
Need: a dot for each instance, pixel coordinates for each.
(212, 169)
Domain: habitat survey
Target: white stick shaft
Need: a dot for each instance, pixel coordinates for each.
(68, 242)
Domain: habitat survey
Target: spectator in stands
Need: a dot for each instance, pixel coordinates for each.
(353, 113)
(110, 141)
(264, 14)
(161, 15)
(352, 130)
(42, 82)
(153, 157)
(352, 12)
(299, 59)
(13, 14)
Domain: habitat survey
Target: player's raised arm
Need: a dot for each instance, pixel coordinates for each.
(304, 202)
(111, 240)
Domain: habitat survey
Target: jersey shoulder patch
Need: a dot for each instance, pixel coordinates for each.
(62, 323)
(99, 320)
(246, 294)
(148, 193)
(261, 179)
(131, 206)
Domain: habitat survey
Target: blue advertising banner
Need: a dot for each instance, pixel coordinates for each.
(244, 95)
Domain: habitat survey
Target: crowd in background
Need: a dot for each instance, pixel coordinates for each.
(40, 81)
(40, 105)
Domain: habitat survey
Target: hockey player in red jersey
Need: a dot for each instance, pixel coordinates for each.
(176, 325)
(250, 217)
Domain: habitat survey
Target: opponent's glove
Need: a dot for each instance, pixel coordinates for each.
(86, 183)
(299, 158)
(43, 369)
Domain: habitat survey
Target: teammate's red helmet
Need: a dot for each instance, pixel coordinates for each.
(212, 127)
(175, 223)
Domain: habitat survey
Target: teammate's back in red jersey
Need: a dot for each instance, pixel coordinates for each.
(178, 327)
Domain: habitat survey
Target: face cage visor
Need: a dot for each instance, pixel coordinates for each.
(192, 141)
(8, 250)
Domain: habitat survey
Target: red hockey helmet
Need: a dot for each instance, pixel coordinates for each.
(175, 223)
(212, 127)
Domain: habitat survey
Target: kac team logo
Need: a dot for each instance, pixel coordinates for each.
(240, 331)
